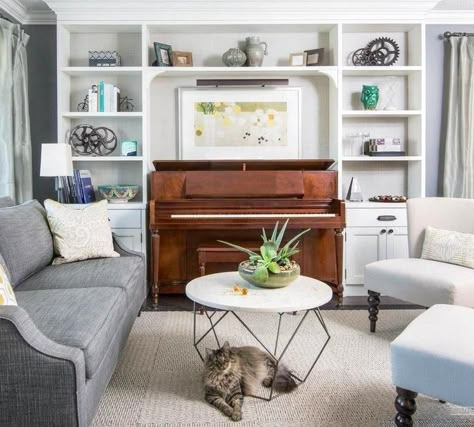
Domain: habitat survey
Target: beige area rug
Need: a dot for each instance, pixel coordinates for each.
(157, 382)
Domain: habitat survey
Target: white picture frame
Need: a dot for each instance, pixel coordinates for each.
(274, 130)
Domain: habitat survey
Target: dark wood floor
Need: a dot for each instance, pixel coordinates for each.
(182, 303)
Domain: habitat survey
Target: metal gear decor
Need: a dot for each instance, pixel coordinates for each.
(382, 51)
(87, 140)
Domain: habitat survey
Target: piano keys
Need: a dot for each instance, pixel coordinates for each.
(203, 201)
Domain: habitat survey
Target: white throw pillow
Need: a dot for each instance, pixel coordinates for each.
(82, 233)
(7, 297)
(449, 246)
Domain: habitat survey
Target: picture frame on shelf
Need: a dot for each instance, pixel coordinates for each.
(239, 123)
(182, 59)
(297, 59)
(314, 57)
(163, 54)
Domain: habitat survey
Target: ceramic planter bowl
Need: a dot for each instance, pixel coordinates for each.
(273, 281)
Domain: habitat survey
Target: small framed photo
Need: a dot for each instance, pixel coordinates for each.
(182, 59)
(163, 54)
(314, 57)
(298, 59)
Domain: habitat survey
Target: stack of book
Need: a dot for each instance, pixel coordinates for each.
(78, 188)
(104, 98)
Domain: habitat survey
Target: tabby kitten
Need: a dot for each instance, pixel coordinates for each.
(232, 372)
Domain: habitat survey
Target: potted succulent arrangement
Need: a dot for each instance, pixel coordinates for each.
(272, 267)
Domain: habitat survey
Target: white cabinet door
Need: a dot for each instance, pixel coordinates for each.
(397, 242)
(363, 246)
(131, 238)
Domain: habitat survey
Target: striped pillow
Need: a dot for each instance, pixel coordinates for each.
(7, 297)
(449, 246)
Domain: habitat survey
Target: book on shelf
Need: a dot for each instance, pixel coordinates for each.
(106, 99)
(78, 188)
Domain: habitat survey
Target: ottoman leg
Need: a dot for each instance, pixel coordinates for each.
(406, 406)
(374, 302)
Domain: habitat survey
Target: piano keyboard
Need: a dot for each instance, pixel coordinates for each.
(263, 215)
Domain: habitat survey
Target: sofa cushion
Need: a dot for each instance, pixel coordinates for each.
(107, 272)
(26, 243)
(80, 233)
(434, 355)
(83, 318)
(422, 281)
(6, 202)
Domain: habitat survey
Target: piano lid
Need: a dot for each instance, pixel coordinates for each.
(243, 165)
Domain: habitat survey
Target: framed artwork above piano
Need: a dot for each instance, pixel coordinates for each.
(239, 123)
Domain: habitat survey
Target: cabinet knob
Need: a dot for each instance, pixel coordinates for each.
(383, 231)
(390, 231)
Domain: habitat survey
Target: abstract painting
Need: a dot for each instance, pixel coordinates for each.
(250, 123)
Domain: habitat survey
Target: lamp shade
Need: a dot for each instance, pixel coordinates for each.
(56, 160)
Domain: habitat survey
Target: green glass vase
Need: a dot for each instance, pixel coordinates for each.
(369, 97)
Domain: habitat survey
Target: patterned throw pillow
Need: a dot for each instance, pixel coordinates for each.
(80, 234)
(449, 246)
(7, 297)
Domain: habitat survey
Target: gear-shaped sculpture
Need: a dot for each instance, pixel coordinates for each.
(86, 140)
(383, 51)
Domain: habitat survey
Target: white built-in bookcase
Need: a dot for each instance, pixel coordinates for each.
(331, 109)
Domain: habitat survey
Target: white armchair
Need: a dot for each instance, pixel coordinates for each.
(421, 281)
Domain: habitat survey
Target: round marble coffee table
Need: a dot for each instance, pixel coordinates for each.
(216, 291)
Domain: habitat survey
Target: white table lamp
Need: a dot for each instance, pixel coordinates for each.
(56, 160)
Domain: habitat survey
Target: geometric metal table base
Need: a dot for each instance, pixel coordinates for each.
(273, 354)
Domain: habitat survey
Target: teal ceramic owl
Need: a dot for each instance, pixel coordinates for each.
(369, 97)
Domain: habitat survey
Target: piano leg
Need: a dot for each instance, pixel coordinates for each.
(155, 247)
(339, 264)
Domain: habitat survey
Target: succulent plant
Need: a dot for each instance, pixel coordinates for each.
(271, 257)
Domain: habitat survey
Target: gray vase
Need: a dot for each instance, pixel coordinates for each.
(234, 57)
(255, 51)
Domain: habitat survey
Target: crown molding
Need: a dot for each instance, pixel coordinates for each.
(25, 16)
(442, 16)
(244, 10)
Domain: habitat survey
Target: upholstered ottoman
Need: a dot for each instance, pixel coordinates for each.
(434, 356)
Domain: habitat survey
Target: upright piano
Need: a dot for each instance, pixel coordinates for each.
(193, 202)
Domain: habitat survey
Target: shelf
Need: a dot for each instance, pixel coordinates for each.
(107, 159)
(112, 206)
(77, 115)
(365, 205)
(88, 71)
(381, 113)
(283, 71)
(351, 70)
(381, 159)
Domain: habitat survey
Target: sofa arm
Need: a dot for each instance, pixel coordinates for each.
(42, 383)
(123, 250)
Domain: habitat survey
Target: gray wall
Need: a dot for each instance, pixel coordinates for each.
(41, 50)
(435, 104)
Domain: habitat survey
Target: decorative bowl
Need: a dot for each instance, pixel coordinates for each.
(118, 193)
(284, 278)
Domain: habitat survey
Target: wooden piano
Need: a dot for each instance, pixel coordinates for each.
(201, 201)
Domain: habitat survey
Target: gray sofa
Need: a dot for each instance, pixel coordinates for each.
(60, 346)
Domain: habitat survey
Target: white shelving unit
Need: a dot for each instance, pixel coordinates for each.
(378, 230)
(331, 109)
(75, 77)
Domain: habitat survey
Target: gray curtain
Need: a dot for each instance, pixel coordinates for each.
(15, 137)
(458, 179)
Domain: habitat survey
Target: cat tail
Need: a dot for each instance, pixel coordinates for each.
(284, 381)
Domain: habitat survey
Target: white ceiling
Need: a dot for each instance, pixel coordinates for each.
(38, 12)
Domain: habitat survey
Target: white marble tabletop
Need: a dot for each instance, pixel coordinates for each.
(216, 291)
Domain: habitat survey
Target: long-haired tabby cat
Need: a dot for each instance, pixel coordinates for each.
(233, 372)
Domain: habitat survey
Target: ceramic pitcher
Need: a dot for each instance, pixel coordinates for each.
(255, 51)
